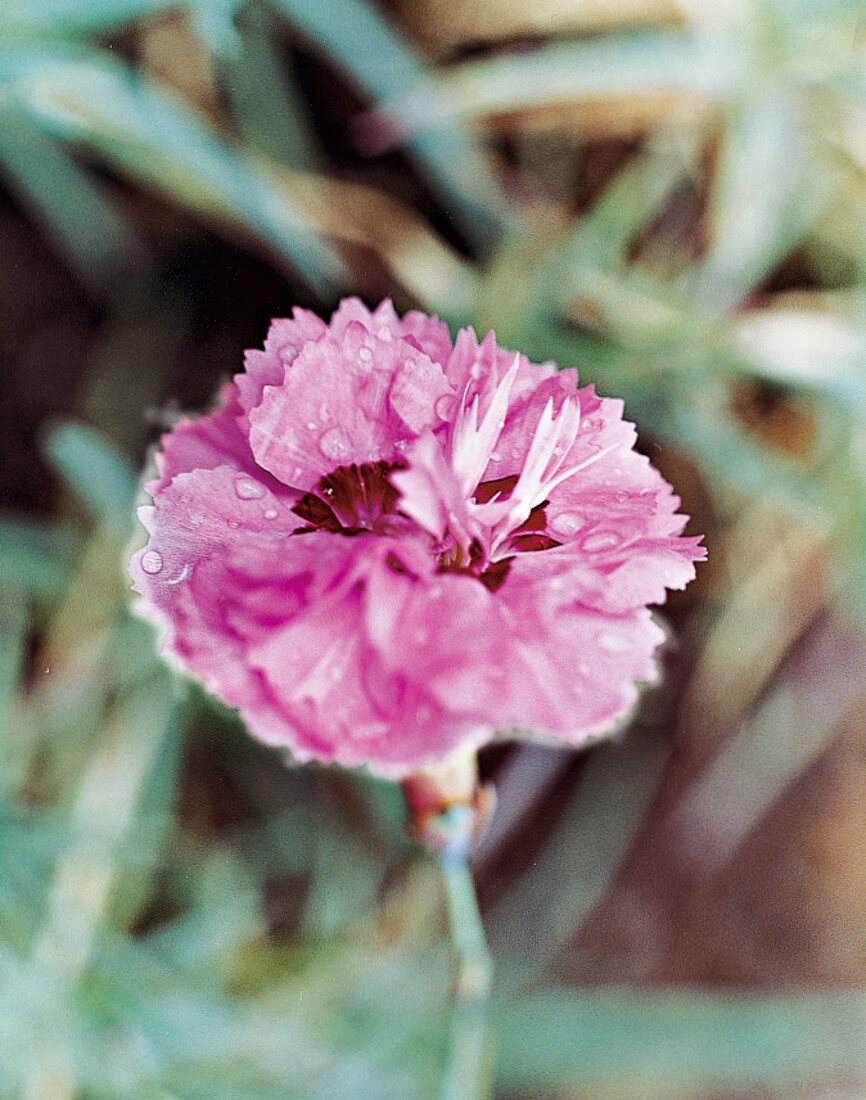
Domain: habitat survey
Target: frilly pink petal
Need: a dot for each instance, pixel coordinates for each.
(264, 368)
(352, 399)
(383, 548)
(204, 443)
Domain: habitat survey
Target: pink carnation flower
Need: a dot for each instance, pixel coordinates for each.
(383, 547)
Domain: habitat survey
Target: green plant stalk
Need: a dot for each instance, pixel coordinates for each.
(467, 1071)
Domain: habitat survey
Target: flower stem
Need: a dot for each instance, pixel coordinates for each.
(466, 1074)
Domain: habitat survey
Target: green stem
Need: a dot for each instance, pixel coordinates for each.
(466, 1075)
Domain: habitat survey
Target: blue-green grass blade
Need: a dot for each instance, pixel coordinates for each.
(145, 131)
(54, 18)
(356, 36)
(265, 100)
(546, 907)
(88, 229)
(95, 470)
(569, 71)
(37, 560)
(674, 1045)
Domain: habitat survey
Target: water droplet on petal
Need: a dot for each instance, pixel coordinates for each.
(151, 561)
(365, 354)
(288, 352)
(566, 523)
(271, 513)
(409, 364)
(312, 425)
(384, 333)
(247, 489)
(335, 444)
(324, 414)
(598, 541)
(495, 456)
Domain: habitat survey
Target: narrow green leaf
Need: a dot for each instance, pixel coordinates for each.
(765, 197)
(89, 229)
(675, 1045)
(565, 72)
(384, 65)
(265, 101)
(94, 469)
(37, 560)
(146, 131)
(548, 904)
(74, 17)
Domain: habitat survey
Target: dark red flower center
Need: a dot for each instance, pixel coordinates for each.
(356, 500)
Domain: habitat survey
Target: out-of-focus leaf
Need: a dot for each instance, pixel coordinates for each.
(629, 64)
(790, 729)
(95, 470)
(73, 17)
(778, 586)
(224, 915)
(676, 1045)
(549, 903)
(103, 810)
(37, 560)
(13, 636)
(429, 268)
(764, 200)
(362, 42)
(822, 350)
(141, 129)
(265, 102)
(90, 230)
(140, 340)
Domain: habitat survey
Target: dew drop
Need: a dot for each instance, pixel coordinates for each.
(598, 541)
(151, 561)
(233, 523)
(566, 523)
(495, 456)
(247, 489)
(365, 354)
(312, 425)
(271, 513)
(583, 668)
(409, 364)
(288, 352)
(335, 444)
(384, 333)
(324, 414)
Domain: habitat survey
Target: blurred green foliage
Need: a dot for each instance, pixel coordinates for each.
(184, 917)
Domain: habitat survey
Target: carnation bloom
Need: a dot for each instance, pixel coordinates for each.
(383, 547)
